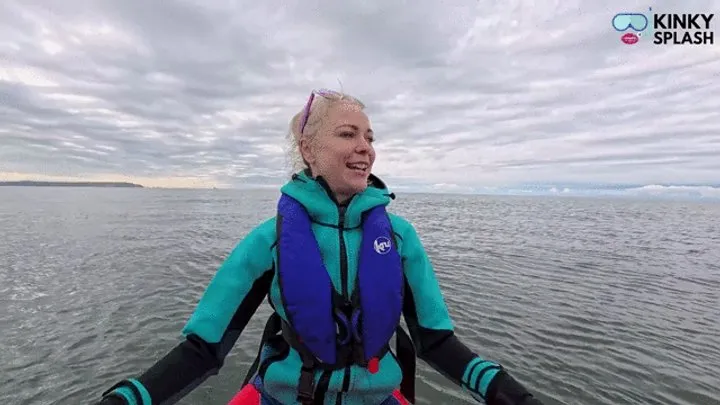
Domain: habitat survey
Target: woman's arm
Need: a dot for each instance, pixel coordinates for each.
(431, 329)
(232, 297)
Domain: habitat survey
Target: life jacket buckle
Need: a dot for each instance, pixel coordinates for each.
(344, 328)
(355, 322)
(348, 329)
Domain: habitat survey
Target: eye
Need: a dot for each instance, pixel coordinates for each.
(347, 134)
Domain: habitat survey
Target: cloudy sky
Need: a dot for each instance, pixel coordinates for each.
(462, 93)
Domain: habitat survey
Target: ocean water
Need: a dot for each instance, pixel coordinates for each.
(586, 301)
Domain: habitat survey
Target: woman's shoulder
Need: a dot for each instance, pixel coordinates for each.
(262, 234)
(409, 242)
(402, 227)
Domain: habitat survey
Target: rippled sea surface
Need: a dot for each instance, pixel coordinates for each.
(586, 301)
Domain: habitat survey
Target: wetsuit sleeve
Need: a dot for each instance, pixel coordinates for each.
(432, 331)
(232, 297)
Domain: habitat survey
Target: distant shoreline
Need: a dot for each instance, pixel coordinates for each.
(29, 183)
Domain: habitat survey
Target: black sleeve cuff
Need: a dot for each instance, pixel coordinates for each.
(505, 390)
(111, 399)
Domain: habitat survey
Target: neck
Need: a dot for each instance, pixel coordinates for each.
(342, 199)
(338, 198)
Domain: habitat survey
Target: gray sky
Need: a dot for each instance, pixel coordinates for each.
(462, 93)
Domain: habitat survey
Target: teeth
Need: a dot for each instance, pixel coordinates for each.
(359, 166)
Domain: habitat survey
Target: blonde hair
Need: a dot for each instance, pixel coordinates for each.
(321, 103)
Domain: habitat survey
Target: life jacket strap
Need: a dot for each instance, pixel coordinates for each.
(306, 385)
(272, 328)
(345, 354)
(406, 357)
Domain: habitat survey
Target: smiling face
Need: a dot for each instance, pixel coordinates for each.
(342, 150)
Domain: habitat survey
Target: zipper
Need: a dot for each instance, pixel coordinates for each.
(343, 256)
(345, 293)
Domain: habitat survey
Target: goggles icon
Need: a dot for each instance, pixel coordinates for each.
(623, 21)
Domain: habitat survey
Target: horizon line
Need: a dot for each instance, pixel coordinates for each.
(550, 184)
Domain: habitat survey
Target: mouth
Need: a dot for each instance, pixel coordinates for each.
(360, 168)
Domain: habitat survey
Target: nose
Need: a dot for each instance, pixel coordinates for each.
(363, 145)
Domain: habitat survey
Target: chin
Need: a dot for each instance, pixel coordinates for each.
(357, 185)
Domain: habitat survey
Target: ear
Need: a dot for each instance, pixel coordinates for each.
(306, 151)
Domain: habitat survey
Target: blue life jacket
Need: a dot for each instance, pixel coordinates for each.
(328, 331)
(331, 332)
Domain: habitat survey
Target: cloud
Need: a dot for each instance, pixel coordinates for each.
(464, 95)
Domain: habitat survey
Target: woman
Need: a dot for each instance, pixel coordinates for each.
(340, 272)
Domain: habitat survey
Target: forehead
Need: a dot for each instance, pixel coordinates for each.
(348, 114)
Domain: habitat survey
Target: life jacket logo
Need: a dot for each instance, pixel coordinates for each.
(382, 245)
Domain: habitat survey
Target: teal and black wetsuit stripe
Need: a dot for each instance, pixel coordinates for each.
(478, 376)
(132, 391)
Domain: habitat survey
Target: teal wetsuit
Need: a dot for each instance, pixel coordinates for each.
(247, 276)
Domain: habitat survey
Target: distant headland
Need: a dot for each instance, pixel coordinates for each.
(30, 183)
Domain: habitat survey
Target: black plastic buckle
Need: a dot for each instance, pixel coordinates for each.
(306, 387)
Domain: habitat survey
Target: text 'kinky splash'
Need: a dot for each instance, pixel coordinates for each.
(683, 29)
